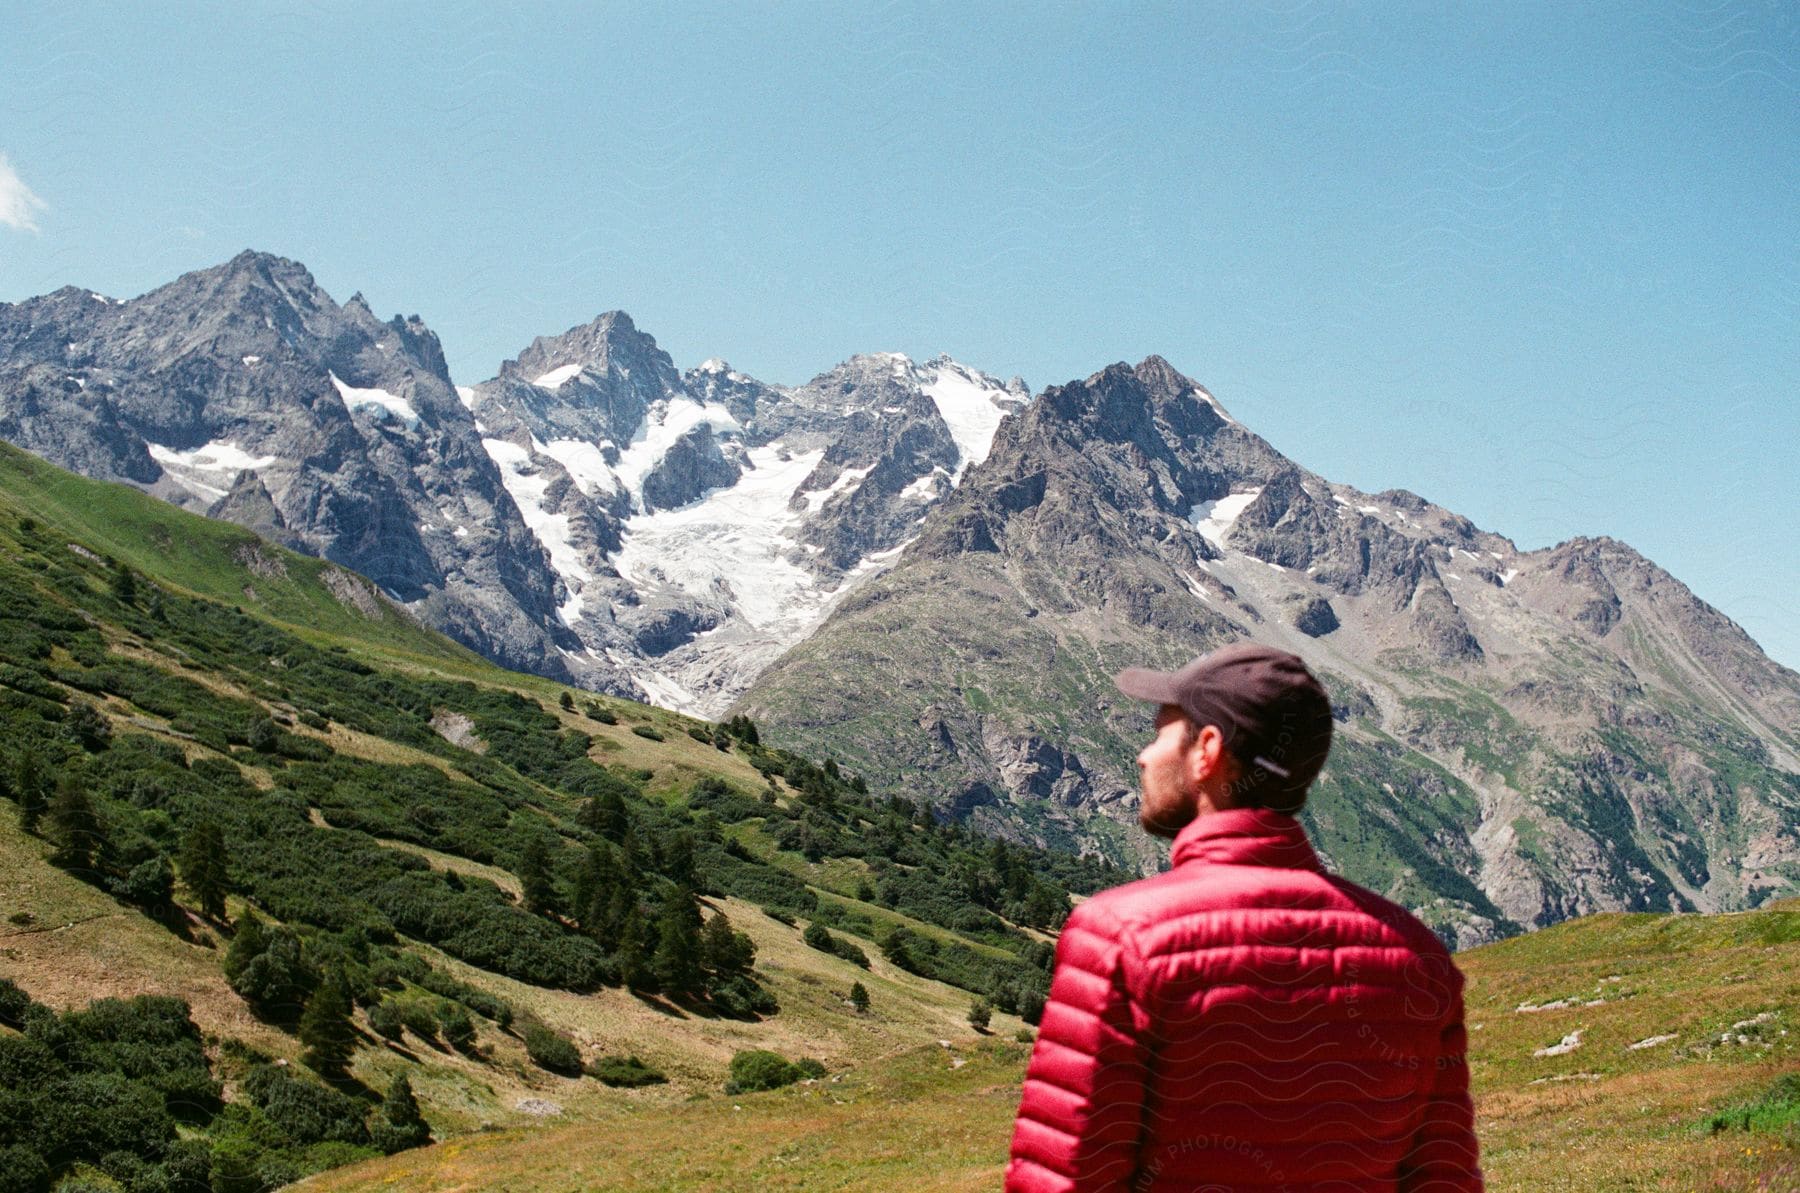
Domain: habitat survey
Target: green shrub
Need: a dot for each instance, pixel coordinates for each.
(626, 1072)
(596, 713)
(759, 1069)
(14, 1002)
(23, 1171)
(387, 1020)
(458, 1029)
(420, 1019)
(551, 1051)
(304, 1111)
(647, 731)
(399, 1126)
(740, 996)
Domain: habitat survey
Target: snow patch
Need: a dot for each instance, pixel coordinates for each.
(713, 364)
(736, 541)
(1217, 408)
(252, 360)
(965, 401)
(1506, 577)
(221, 455)
(849, 478)
(466, 396)
(356, 398)
(1214, 518)
(586, 463)
(664, 691)
(555, 378)
(654, 437)
(924, 486)
(527, 484)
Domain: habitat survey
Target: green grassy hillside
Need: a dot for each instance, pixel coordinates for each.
(508, 881)
(1717, 993)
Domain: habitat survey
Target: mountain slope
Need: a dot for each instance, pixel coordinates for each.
(1523, 736)
(382, 794)
(1662, 1043)
(701, 523)
(245, 392)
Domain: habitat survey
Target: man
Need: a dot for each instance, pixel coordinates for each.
(1244, 1021)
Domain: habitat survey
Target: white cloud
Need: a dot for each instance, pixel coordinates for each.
(18, 205)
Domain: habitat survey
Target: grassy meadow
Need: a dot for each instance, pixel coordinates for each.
(1603, 1117)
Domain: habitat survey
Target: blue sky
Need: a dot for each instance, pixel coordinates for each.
(1543, 269)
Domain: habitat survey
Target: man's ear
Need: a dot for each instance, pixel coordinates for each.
(1205, 755)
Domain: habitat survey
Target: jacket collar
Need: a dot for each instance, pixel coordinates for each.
(1246, 837)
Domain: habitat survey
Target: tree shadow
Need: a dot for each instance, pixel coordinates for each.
(660, 1004)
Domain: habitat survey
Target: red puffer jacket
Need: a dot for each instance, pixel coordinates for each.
(1246, 1021)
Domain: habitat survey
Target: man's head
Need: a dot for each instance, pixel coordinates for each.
(1244, 726)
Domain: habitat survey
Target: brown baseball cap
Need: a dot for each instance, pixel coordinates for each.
(1274, 714)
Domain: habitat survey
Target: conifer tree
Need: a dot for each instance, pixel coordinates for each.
(859, 998)
(325, 1029)
(247, 944)
(536, 886)
(981, 1013)
(205, 868)
(634, 950)
(400, 1125)
(724, 950)
(676, 962)
(124, 584)
(677, 857)
(29, 790)
(75, 827)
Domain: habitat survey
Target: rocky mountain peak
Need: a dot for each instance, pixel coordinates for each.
(610, 345)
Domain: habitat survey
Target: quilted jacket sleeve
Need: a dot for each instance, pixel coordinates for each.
(1443, 1156)
(1083, 1106)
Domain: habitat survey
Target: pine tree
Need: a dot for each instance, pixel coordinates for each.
(634, 950)
(75, 827)
(724, 950)
(535, 884)
(676, 962)
(124, 585)
(677, 857)
(325, 1028)
(859, 998)
(86, 726)
(567, 702)
(400, 1125)
(980, 1014)
(205, 868)
(607, 815)
(247, 944)
(29, 790)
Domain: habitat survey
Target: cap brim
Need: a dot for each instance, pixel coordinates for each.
(1142, 684)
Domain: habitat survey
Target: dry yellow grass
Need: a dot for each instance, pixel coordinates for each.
(1602, 1118)
(80, 945)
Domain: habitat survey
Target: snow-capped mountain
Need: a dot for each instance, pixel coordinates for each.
(702, 523)
(245, 392)
(931, 575)
(1523, 735)
(591, 513)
